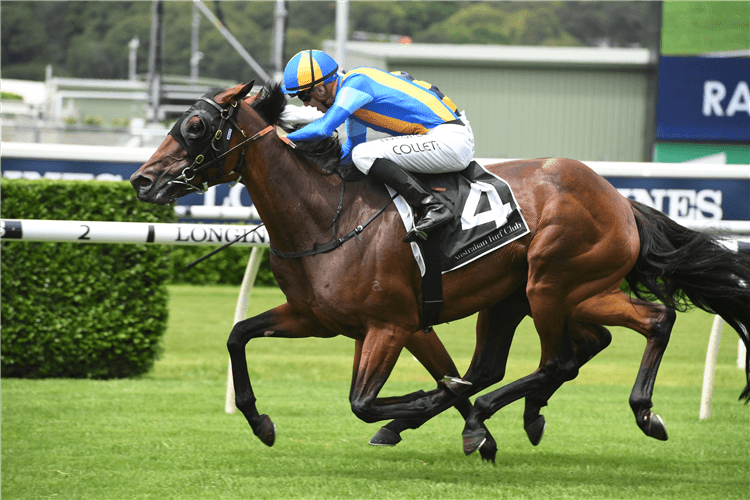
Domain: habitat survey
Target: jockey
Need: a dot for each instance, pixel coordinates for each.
(430, 136)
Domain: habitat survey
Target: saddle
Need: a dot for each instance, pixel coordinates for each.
(486, 218)
(486, 215)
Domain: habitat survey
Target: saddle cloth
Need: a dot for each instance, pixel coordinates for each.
(487, 216)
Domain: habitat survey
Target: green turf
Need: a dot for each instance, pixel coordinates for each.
(167, 436)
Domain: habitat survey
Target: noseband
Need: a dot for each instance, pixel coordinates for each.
(207, 108)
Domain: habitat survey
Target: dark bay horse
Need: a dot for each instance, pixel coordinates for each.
(585, 240)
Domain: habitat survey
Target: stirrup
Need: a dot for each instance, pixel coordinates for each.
(415, 235)
(420, 229)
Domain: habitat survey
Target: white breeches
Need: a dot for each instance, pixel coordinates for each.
(445, 148)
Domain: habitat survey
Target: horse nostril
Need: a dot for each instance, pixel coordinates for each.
(140, 182)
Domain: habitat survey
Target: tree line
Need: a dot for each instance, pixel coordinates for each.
(90, 39)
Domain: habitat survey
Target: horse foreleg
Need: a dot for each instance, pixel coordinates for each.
(588, 341)
(278, 322)
(430, 352)
(495, 329)
(494, 334)
(655, 322)
(427, 348)
(380, 351)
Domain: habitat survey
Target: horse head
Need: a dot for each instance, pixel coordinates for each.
(196, 153)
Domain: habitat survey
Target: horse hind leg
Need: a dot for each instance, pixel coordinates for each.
(640, 398)
(557, 365)
(588, 341)
(654, 321)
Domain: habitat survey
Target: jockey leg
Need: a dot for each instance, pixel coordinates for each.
(446, 148)
(432, 212)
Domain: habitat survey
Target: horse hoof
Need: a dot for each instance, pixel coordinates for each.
(474, 440)
(385, 437)
(266, 430)
(488, 449)
(535, 430)
(655, 427)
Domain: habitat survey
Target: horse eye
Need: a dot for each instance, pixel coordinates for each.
(195, 129)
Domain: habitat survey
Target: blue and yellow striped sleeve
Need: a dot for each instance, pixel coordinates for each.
(356, 133)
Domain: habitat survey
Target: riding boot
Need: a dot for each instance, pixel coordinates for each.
(433, 213)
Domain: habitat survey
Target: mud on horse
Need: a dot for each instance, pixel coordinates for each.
(585, 239)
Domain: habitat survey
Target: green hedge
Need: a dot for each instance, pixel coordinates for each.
(48, 284)
(81, 310)
(224, 268)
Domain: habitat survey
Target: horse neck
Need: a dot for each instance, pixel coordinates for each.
(294, 200)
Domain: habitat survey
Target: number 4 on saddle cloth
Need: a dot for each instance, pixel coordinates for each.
(489, 219)
(487, 216)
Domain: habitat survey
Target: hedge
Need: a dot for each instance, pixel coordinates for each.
(224, 268)
(81, 310)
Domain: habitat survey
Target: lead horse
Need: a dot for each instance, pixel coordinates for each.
(585, 239)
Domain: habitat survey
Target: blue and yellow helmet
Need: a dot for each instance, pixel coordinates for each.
(308, 69)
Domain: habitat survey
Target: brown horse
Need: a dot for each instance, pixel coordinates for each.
(585, 239)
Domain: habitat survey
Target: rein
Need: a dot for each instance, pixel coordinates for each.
(224, 246)
(337, 242)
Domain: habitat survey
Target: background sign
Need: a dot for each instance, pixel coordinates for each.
(704, 99)
(690, 199)
(29, 168)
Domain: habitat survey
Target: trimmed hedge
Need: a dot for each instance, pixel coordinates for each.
(81, 310)
(224, 268)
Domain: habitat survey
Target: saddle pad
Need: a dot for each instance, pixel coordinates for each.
(489, 216)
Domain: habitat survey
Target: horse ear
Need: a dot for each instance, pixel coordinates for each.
(245, 90)
(234, 94)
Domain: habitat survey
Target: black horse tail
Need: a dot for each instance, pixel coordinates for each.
(684, 268)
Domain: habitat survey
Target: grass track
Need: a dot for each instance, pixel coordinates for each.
(166, 435)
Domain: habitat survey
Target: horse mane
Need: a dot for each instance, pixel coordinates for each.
(324, 153)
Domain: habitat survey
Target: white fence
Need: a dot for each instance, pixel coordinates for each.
(131, 232)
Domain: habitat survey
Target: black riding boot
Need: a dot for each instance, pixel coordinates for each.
(433, 213)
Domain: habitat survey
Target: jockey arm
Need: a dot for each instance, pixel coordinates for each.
(322, 127)
(347, 101)
(356, 133)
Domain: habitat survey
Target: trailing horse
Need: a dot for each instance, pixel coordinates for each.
(584, 239)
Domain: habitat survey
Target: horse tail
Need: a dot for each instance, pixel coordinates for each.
(684, 268)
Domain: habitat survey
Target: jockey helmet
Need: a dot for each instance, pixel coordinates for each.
(308, 69)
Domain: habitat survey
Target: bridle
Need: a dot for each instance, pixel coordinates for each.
(203, 107)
